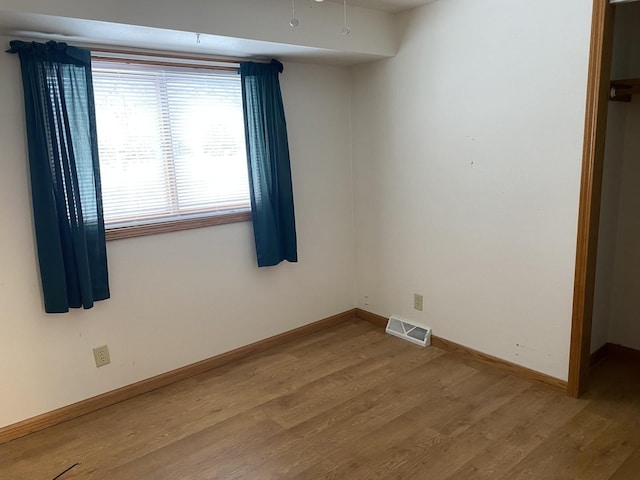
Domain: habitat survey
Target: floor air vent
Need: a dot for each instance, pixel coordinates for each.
(408, 331)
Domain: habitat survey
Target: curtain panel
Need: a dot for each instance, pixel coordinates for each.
(269, 164)
(65, 174)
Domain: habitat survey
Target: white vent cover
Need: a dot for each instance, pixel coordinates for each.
(408, 331)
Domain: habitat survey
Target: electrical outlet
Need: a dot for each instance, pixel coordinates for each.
(418, 301)
(101, 354)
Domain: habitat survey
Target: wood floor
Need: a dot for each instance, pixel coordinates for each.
(349, 403)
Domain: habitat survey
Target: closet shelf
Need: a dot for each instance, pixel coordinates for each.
(623, 90)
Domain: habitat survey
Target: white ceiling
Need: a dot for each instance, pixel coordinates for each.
(392, 6)
(91, 32)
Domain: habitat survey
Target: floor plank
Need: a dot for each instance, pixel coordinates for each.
(349, 402)
(629, 469)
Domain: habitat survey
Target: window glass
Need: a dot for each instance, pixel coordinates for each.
(171, 142)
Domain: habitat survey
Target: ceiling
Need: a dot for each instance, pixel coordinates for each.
(91, 32)
(392, 6)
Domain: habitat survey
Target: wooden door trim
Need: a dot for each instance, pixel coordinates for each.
(590, 192)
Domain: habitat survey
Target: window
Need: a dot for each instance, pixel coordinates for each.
(171, 145)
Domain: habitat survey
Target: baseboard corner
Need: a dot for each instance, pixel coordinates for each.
(448, 345)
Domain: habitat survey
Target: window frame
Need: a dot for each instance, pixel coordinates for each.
(131, 231)
(199, 220)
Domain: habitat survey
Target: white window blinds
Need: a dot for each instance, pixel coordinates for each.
(171, 142)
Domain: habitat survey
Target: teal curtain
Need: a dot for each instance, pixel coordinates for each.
(65, 175)
(274, 225)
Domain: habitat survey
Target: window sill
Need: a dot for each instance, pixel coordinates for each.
(176, 226)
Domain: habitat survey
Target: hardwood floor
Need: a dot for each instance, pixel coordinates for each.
(349, 403)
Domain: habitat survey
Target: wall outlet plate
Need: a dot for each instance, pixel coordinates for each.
(418, 301)
(101, 355)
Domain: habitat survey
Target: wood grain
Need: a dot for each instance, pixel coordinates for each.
(450, 346)
(101, 401)
(349, 402)
(117, 233)
(629, 469)
(590, 191)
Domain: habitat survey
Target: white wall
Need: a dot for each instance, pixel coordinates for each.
(467, 158)
(617, 299)
(181, 297)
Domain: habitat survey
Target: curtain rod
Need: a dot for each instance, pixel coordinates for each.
(98, 49)
(180, 62)
(173, 55)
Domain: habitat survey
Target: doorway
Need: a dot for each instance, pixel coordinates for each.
(604, 28)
